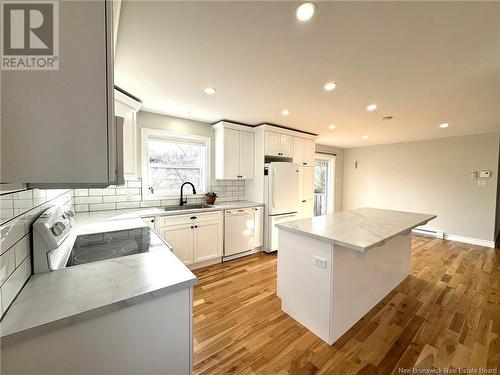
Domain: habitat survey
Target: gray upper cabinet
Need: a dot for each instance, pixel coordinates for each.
(58, 127)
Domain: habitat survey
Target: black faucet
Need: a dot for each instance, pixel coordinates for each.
(182, 187)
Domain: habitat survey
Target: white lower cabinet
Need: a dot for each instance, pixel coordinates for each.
(180, 237)
(195, 238)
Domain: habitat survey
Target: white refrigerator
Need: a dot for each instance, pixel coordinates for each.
(281, 188)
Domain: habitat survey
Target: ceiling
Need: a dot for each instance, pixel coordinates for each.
(424, 63)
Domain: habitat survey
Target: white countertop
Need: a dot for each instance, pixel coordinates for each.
(55, 299)
(360, 229)
(99, 217)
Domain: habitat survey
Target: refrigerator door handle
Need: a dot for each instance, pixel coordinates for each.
(274, 183)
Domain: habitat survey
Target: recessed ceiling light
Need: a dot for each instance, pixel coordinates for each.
(332, 126)
(364, 136)
(444, 125)
(210, 90)
(371, 107)
(330, 86)
(305, 11)
(285, 112)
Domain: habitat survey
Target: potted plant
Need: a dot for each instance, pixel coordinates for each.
(210, 198)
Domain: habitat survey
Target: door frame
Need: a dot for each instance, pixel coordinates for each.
(330, 186)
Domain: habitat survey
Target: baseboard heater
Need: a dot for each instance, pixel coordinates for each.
(428, 232)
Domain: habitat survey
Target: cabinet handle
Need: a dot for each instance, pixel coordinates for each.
(196, 226)
(304, 201)
(304, 163)
(192, 226)
(193, 217)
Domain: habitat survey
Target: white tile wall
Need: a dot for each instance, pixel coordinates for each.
(130, 196)
(22, 208)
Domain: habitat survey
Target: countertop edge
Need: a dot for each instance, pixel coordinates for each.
(361, 249)
(27, 333)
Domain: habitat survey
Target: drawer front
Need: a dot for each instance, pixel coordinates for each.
(186, 219)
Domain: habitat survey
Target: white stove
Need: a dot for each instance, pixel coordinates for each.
(57, 244)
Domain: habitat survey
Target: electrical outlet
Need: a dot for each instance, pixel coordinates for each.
(485, 174)
(319, 262)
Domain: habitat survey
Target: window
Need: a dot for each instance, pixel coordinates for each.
(169, 160)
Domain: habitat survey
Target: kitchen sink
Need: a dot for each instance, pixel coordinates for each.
(187, 207)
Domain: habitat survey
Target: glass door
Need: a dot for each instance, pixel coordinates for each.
(321, 187)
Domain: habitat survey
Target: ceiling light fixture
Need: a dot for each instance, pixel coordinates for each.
(364, 136)
(330, 86)
(210, 90)
(305, 11)
(285, 112)
(332, 126)
(371, 107)
(444, 125)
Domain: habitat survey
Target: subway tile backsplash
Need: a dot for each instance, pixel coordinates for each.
(19, 210)
(130, 196)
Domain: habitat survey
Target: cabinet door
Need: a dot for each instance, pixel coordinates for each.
(259, 226)
(207, 241)
(246, 155)
(307, 209)
(230, 155)
(55, 123)
(286, 146)
(180, 237)
(129, 139)
(272, 144)
(298, 147)
(308, 153)
(307, 183)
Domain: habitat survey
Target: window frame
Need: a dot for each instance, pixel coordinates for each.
(148, 133)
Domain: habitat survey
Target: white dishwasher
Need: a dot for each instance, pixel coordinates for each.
(239, 231)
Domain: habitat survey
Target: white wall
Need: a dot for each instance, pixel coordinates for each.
(431, 176)
(339, 172)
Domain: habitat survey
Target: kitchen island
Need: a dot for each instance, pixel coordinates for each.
(333, 269)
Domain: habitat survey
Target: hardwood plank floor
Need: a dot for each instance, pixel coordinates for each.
(446, 314)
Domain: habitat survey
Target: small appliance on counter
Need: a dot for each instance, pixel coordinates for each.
(57, 245)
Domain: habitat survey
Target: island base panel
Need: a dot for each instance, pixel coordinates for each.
(152, 337)
(328, 301)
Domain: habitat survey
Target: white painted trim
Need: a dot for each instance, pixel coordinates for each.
(279, 130)
(127, 100)
(332, 160)
(159, 134)
(469, 240)
(454, 237)
(230, 125)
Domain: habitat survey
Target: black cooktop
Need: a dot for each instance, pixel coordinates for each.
(100, 246)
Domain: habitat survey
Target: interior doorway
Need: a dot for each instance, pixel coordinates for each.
(324, 184)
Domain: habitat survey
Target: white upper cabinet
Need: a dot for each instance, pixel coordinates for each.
(303, 151)
(234, 151)
(278, 144)
(58, 126)
(127, 107)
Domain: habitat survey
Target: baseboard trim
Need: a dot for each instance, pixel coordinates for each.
(454, 237)
(469, 240)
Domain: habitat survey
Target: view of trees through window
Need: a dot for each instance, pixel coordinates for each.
(172, 163)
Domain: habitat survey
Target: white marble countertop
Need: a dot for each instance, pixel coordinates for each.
(55, 299)
(360, 229)
(84, 218)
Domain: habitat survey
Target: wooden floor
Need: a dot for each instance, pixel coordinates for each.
(446, 314)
